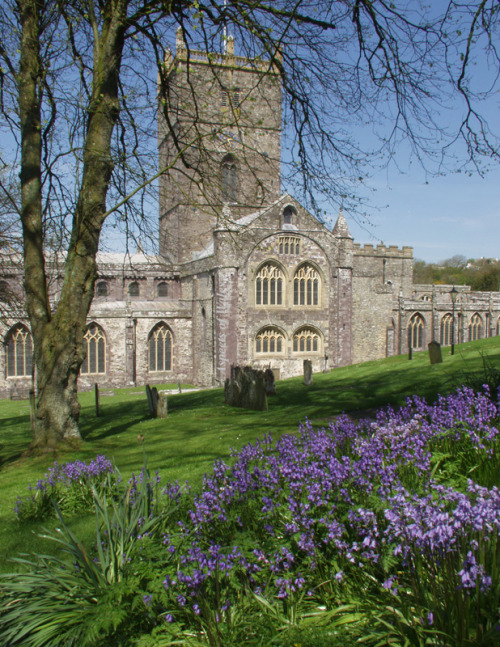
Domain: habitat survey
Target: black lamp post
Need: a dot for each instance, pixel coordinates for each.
(453, 294)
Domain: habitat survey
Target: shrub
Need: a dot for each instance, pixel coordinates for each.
(70, 486)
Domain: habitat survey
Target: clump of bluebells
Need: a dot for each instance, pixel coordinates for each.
(402, 506)
(398, 516)
(69, 485)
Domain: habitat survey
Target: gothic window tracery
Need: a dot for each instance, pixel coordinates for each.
(19, 352)
(306, 340)
(95, 347)
(447, 330)
(416, 328)
(269, 286)
(270, 341)
(475, 327)
(160, 349)
(306, 284)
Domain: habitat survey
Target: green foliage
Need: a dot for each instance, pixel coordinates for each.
(481, 275)
(88, 595)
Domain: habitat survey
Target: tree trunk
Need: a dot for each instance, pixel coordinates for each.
(58, 333)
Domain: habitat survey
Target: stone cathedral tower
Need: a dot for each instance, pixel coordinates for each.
(225, 111)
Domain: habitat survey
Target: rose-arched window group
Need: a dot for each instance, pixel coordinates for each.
(159, 344)
(272, 341)
(270, 286)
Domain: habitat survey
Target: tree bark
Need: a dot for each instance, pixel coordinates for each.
(58, 334)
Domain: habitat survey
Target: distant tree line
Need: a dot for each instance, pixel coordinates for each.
(482, 274)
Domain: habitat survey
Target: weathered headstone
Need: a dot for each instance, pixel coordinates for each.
(162, 410)
(435, 355)
(246, 388)
(270, 381)
(308, 372)
(152, 394)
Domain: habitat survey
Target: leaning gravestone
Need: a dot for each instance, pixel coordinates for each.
(435, 352)
(152, 394)
(308, 372)
(246, 389)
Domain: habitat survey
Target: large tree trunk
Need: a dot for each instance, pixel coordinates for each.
(58, 334)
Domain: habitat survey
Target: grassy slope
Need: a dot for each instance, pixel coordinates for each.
(200, 428)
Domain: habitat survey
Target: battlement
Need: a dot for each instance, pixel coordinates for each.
(216, 59)
(382, 251)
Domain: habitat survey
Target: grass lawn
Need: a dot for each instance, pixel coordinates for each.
(201, 428)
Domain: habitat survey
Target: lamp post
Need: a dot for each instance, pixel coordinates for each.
(453, 295)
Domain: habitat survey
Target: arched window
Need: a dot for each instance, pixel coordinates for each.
(416, 332)
(289, 214)
(306, 340)
(133, 289)
(475, 327)
(160, 349)
(101, 289)
(447, 330)
(95, 348)
(269, 341)
(19, 352)
(269, 286)
(163, 289)
(229, 179)
(306, 286)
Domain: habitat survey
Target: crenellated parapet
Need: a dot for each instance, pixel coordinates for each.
(381, 251)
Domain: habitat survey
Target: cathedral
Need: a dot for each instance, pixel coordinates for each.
(244, 275)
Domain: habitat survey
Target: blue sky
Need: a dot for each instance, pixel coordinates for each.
(454, 214)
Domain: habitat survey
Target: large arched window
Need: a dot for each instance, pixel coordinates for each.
(306, 286)
(475, 327)
(133, 289)
(163, 289)
(269, 286)
(306, 340)
(101, 289)
(95, 348)
(289, 215)
(19, 352)
(447, 330)
(229, 179)
(160, 349)
(416, 332)
(269, 341)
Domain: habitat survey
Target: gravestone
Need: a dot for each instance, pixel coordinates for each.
(308, 372)
(152, 395)
(435, 355)
(270, 381)
(162, 410)
(246, 388)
